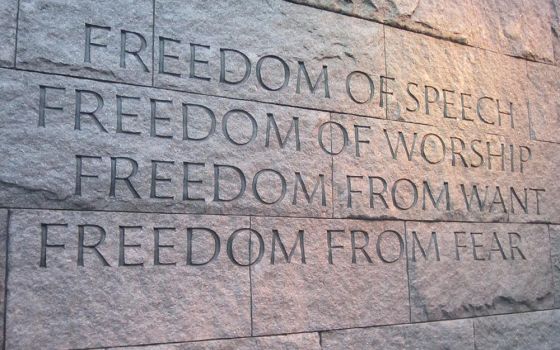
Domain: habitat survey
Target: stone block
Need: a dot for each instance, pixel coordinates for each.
(335, 286)
(519, 28)
(453, 21)
(533, 330)
(516, 28)
(459, 270)
(83, 279)
(107, 39)
(120, 147)
(451, 335)
(270, 51)
(455, 87)
(8, 26)
(544, 108)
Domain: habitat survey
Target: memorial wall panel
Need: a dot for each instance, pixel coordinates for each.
(306, 174)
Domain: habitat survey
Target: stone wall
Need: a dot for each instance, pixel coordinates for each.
(269, 174)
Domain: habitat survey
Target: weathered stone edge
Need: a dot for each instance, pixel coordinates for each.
(390, 23)
(431, 32)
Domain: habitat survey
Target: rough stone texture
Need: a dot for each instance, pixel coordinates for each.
(449, 20)
(413, 187)
(544, 105)
(425, 61)
(290, 297)
(51, 151)
(8, 24)
(52, 36)
(312, 102)
(3, 240)
(520, 27)
(554, 231)
(449, 288)
(64, 305)
(534, 330)
(451, 335)
(260, 28)
(303, 341)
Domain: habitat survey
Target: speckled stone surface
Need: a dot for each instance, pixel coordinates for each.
(276, 38)
(54, 35)
(58, 300)
(219, 156)
(537, 330)
(315, 296)
(554, 231)
(279, 174)
(8, 25)
(452, 335)
(447, 262)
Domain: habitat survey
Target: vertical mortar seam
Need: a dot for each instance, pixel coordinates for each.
(554, 301)
(473, 335)
(386, 72)
(332, 167)
(407, 273)
(8, 218)
(532, 135)
(250, 274)
(17, 30)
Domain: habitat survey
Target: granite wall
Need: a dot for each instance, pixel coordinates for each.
(268, 174)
